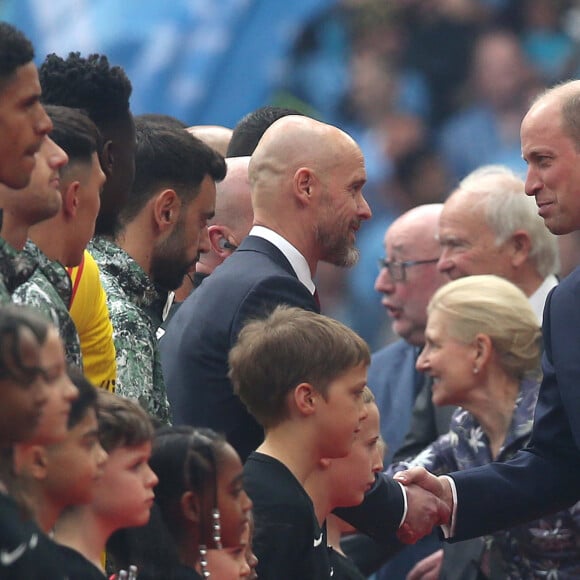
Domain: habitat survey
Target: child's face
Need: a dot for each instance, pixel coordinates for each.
(233, 502)
(228, 564)
(52, 426)
(247, 541)
(352, 476)
(22, 405)
(340, 415)
(124, 493)
(75, 465)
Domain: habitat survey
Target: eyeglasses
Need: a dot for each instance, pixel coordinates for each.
(398, 270)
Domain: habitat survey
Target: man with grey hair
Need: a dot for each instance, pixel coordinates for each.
(489, 226)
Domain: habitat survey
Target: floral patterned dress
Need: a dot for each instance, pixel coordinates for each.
(546, 548)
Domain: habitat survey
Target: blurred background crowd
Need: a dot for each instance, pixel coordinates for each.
(430, 89)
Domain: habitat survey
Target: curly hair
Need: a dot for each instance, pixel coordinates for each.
(90, 83)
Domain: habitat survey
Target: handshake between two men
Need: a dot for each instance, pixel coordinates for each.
(429, 503)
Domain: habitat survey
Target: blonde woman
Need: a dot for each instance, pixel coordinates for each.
(482, 349)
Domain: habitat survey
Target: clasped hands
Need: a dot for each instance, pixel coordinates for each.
(429, 503)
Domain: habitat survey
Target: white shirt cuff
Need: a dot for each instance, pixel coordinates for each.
(405, 504)
(449, 530)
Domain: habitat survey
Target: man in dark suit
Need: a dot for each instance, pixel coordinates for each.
(306, 180)
(544, 477)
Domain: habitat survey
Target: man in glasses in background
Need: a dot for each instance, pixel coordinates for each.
(407, 279)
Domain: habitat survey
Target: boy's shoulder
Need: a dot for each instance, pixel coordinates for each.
(276, 494)
(288, 541)
(269, 482)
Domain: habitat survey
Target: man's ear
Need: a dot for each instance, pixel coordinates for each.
(219, 240)
(107, 158)
(70, 199)
(521, 247)
(166, 208)
(304, 183)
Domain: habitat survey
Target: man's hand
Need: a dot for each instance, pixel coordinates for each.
(429, 500)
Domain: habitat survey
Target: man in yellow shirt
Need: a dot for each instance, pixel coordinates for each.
(88, 309)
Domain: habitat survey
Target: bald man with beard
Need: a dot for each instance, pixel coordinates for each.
(306, 181)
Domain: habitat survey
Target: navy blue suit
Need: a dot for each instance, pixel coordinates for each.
(544, 477)
(194, 351)
(394, 381)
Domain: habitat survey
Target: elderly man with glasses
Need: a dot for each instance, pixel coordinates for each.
(407, 279)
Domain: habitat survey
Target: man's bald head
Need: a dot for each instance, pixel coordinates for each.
(233, 215)
(291, 143)
(233, 202)
(422, 224)
(216, 136)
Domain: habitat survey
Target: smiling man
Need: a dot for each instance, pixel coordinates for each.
(488, 226)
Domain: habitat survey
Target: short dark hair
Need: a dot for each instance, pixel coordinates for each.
(86, 399)
(90, 83)
(122, 422)
(291, 346)
(162, 119)
(168, 156)
(15, 51)
(250, 129)
(74, 132)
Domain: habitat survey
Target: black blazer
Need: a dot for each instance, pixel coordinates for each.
(194, 350)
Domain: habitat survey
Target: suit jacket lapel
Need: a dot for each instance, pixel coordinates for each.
(257, 244)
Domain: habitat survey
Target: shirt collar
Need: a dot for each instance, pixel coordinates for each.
(538, 298)
(296, 259)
